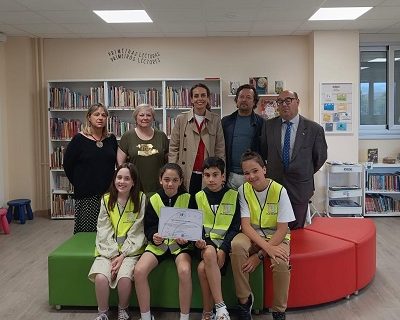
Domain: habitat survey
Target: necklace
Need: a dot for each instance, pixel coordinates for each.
(99, 143)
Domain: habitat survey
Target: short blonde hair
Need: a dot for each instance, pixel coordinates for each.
(87, 128)
(141, 107)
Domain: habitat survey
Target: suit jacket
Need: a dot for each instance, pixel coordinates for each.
(308, 156)
(185, 138)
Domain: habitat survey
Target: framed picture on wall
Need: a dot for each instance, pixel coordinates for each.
(336, 105)
(267, 107)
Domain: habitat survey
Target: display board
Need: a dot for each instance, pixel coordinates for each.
(336, 100)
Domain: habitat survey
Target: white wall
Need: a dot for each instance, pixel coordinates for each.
(335, 59)
(20, 143)
(3, 127)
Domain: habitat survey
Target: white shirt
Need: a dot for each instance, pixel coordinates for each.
(285, 210)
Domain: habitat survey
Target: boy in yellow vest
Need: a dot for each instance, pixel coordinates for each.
(221, 222)
(265, 213)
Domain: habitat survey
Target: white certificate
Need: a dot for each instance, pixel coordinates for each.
(180, 223)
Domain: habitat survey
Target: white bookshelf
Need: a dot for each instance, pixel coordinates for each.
(68, 101)
(382, 190)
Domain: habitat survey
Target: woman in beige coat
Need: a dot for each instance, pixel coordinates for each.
(196, 135)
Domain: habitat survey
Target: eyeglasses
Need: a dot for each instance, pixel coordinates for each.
(286, 101)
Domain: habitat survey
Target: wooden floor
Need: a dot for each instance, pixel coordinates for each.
(24, 293)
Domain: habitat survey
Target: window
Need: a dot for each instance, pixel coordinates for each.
(379, 92)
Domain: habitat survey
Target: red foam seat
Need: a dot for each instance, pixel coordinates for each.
(362, 232)
(323, 270)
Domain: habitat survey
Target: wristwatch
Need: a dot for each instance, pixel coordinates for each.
(260, 255)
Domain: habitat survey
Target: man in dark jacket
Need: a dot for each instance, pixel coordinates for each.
(242, 130)
(295, 149)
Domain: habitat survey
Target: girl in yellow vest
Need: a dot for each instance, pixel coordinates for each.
(172, 194)
(265, 212)
(221, 223)
(119, 241)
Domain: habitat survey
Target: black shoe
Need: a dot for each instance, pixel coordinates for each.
(278, 315)
(244, 310)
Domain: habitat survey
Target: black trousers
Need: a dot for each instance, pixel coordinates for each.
(300, 212)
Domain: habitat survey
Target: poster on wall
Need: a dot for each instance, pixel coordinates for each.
(336, 107)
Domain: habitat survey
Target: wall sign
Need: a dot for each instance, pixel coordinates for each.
(134, 56)
(336, 101)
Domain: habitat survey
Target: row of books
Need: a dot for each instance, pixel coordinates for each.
(386, 181)
(180, 98)
(57, 158)
(62, 183)
(381, 203)
(65, 99)
(123, 97)
(64, 128)
(170, 125)
(63, 205)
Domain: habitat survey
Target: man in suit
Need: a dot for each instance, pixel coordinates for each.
(293, 154)
(242, 131)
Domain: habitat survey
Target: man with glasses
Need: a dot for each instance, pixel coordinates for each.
(242, 131)
(295, 149)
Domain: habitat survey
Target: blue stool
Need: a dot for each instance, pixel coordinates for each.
(18, 208)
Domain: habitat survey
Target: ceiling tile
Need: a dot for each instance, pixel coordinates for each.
(71, 16)
(85, 28)
(13, 31)
(39, 5)
(382, 13)
(18, 17)
(112, 4)
(233, 26)
(38, 28)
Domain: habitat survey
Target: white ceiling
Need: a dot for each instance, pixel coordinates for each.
(189, 18)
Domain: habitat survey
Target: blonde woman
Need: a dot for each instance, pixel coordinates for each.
(89, 163)
(145, 147)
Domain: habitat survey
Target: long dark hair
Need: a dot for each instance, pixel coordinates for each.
(178, 170)
(134, 193)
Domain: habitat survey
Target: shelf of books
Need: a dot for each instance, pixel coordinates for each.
(344, 189)
(68, 101)
(382, 190)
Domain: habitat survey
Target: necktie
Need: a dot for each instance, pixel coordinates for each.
(286, 145)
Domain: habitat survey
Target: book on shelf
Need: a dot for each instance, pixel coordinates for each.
(278, 86)
(260, 83)
(381, 203)
(233, 86)
(373, 155)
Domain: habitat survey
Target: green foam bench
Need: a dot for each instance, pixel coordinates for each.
(69, 265)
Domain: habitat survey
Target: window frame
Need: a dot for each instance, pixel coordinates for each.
(390, 130)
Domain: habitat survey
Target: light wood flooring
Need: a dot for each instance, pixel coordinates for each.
(24, 293)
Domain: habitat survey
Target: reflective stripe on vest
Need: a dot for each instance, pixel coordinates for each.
(181, 202)
(264, 217)
(121, 222)
(216, 225)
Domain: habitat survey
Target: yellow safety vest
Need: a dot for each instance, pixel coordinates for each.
(121, 223)
(216, 225)
(181, 202)
(264, 217)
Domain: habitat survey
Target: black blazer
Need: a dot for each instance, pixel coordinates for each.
(308, 156)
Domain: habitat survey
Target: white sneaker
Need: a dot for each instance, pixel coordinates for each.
(122, 314)
(101, 316)
(223, 316)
